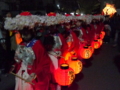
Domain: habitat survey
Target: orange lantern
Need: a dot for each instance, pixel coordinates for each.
(109, 9)
(100, 41)
(64, 75)
(85, 52)
(68, 55)
(96, 44)
(18, 38)
(66, 58)
(91, 48)
(102, 34)
(76, 65)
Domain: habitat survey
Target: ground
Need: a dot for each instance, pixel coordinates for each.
(101, 72)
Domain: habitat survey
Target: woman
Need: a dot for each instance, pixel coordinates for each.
(32, 63)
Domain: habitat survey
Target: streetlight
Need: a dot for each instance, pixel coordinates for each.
(58, 6)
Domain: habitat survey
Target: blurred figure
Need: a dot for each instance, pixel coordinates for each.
(107, 30)
(117, 29)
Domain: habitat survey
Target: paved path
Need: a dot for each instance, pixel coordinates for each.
(102, 72)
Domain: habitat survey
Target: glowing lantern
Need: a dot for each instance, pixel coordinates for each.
(96, 44)
(69, 54)
(85, 52)
(66, 58)
(64, 75)
(102, 35)
(76, 65)
(109, 9)
(91, 48)
(100, 41)
(18, 38)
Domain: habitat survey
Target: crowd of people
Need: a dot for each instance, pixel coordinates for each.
(38, 54)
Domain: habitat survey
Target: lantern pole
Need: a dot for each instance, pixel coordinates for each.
(21, 78)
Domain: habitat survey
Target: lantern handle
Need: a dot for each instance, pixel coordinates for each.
(21, 78)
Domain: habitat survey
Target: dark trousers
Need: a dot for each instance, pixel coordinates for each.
(106, 39)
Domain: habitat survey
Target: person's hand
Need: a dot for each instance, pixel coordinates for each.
(12, 69)
(31, 77)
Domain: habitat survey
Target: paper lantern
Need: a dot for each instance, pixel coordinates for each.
(91, 48)
(64, 75)
(76, 65)
(109, 9)
(85, 52)
(18, 38)
(100, 41)
(67, 57)
(96, 44)
(102, 34)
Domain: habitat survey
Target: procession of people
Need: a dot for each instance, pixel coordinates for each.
(40, 44)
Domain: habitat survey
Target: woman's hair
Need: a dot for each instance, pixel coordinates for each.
(27, 30)
(48, 42)
(65, 34)
(77, 33)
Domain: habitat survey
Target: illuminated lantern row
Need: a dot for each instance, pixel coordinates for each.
(85, 52)
(64, 75)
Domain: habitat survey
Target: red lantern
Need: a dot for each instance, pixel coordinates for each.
(96, 44)
(64, 75)
(76, 65)
(85, 52)
(102, 34)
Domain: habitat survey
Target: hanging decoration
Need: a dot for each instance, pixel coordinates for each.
(109, 9)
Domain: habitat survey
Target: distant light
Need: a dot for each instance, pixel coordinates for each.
(58, 6)
(72, 13)
(76, 13)
(65, 13)
(82, 14)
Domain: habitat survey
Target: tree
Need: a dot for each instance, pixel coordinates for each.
(86, 6)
